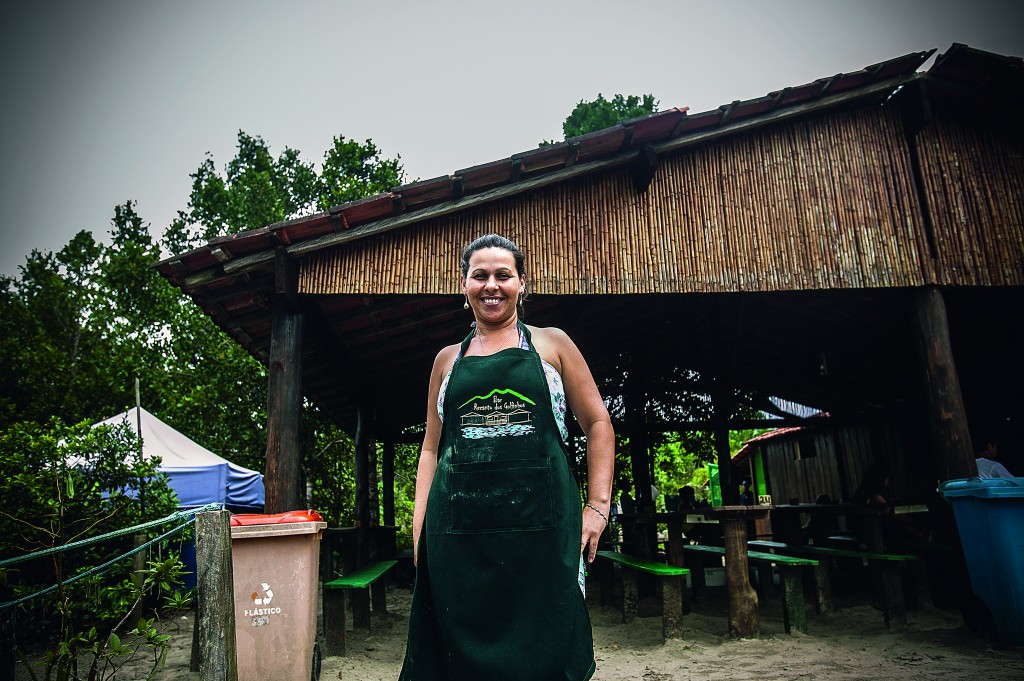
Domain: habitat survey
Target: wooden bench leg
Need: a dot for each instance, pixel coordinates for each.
(606, 579)
(361, 609)
(794, 613)
(822, 588)
(630, 595)
(672, 589)
(892, 596)
(379, 594)
(696, 565)
(334, 621)
(765, 581)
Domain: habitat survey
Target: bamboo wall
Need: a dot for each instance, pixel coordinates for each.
(973, 171)
(817, 204)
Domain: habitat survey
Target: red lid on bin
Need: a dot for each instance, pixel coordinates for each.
(276, 518)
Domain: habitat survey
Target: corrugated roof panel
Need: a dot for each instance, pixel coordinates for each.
(600, 143)
(487, 174)
(543, 158)
(301, 230)
(366, 210)
(655, 127)
(425, 191)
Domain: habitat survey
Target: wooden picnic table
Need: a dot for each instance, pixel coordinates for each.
(743, 617)
(787, 526)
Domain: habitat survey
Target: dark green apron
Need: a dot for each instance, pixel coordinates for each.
(497, 595)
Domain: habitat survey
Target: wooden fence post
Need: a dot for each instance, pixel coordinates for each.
(216, 619)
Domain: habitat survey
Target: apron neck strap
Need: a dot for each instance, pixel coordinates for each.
(523, 332)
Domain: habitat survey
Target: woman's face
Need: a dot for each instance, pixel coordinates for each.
(492, 284)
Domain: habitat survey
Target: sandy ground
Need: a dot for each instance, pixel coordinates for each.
(851, 643)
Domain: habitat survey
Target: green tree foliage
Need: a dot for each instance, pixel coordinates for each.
(257, 189)
(603, 113)
(72, 483)
(680, 396)
(229, 406)
(81, 324)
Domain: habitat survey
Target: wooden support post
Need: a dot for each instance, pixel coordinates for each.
(947, 419)
(8, 652)
(721, 405)
(743, 617)
(216, 622)
(644, 534)
(636, 417)
(387, 474)
(138, 565)
(284, 404)
(364, 441)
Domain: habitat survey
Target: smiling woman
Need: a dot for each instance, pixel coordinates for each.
(500, 530)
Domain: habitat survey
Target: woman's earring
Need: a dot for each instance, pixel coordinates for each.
(465, 305)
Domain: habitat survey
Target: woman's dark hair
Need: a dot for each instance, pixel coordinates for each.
(494, 241)
(497, 241)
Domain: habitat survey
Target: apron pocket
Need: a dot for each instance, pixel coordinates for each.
(513, 495)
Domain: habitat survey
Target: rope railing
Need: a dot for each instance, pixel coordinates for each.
(177, 515)
(109, 535)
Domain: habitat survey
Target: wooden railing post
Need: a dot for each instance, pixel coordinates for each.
(216, 620)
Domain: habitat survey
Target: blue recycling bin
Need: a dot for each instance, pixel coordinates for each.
(990, 517)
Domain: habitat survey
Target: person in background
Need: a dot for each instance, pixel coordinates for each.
(988, 467)
(820, 526)
(746, 495)
(626, 502)
(500, 530)
(874, 487)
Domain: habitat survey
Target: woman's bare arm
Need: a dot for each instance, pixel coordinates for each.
(428, 452)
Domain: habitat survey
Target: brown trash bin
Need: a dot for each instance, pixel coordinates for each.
(275, 567)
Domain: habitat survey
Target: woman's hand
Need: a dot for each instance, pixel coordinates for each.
(593, 527)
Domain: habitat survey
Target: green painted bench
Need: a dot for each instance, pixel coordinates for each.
(794, 614)
(894, 604)
(335, 603)
(672, 589)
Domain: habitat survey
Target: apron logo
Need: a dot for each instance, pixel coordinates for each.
(494, 393)
(501, 412)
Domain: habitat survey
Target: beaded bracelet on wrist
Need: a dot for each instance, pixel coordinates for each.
(597, 511)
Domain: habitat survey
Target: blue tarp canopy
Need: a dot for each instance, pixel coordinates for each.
(197, 475)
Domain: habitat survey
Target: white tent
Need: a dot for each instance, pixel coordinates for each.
(197, 475)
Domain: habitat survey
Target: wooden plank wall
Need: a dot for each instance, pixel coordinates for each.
(843, 457)
(816, 204)
(973, 171)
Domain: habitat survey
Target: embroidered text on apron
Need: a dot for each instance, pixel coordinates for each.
(497, 594)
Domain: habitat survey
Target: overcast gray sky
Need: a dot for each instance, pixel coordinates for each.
(112, 100)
